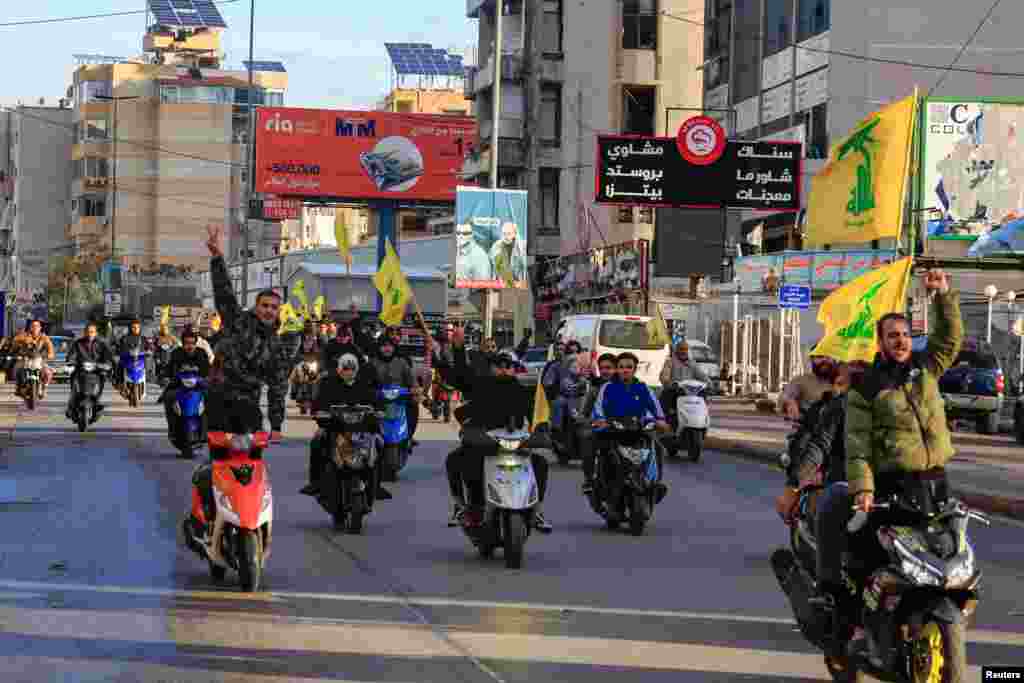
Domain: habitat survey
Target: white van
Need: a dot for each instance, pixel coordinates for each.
(704, 356)
(601, 333)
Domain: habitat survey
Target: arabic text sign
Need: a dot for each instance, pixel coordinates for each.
(795, 296)
(650, 171)
(360, 154)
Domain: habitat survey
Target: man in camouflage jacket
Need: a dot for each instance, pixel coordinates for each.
(896, 419)
(254, 353)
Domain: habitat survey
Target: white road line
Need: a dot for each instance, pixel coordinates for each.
(974, 636)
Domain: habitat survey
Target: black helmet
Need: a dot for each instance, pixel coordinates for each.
(503, 359)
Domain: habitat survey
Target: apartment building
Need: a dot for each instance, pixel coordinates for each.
(169, 130)
(569, 72)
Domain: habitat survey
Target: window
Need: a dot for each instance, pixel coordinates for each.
(549, 179)
(813, 18)
(94, 129)
(719, 22)
(169, 94)
(625, 214)
(638, 110)
(640, 24)
(551, 27)
(626, 334)
(90, 91)
(817, 132)
(551, 115)
(92, 206)
(647, 215)
(91, 167)
(778, 17)
(275, 99)
(746, 77)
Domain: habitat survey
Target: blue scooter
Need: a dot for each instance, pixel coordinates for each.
(189, 407)
(394, 428)
(133, 364)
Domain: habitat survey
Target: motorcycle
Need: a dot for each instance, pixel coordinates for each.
(565, 442)
(443, 395)
(689, 419)
(511, 497)
(917, 597)
(302, 391)
(189, 407)
(133, 365)
(161, 358)
(348, 483)
(625, 477)
(30, 382)
(241, 512)
(86, 389)
(394, 427)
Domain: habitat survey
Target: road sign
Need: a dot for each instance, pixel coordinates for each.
(795, 296)
(111, 303)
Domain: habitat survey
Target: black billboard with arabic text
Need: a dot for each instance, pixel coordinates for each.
(650, 171)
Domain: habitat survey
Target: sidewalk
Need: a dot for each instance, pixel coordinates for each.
(987, 471)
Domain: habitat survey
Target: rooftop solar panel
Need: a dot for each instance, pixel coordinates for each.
(190, 13)
(266, 66)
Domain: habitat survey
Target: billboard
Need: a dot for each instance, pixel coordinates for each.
(973, 173)
(651, 171)
(360, 154)
(490, 238)
(822, 270)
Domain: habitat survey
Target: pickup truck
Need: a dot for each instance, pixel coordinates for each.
(974, 387)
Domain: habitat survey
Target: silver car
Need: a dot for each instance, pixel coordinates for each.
(534, 360)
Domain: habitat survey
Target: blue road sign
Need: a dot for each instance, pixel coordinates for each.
(795, 296)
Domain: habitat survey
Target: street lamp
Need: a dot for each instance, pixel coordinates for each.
(991, 291)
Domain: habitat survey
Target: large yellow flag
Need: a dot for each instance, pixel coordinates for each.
(859, 195)
(299, 292)
(394, 288)
(318, 307)
(289, 320)
(541, 408)
(341, 236)
(657, 328)
(850, 313)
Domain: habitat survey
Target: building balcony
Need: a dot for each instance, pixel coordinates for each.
(509, 128)
(511, 70)
(637, 66)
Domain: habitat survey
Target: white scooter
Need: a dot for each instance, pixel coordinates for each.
(512, 495)
(691, 419)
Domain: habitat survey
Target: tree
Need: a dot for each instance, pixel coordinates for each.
(77, 277)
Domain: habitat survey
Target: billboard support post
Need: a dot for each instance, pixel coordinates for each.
(490, 298)
(387, 229)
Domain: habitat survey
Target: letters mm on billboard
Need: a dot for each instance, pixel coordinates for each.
(361, 154)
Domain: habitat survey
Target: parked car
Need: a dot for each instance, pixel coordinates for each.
(534, 360)
(974, 387)
(59, 364)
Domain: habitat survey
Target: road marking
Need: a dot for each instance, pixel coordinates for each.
(974, 635)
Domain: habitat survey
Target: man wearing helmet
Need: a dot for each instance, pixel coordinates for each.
(349, 382)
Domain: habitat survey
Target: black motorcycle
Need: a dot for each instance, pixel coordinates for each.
(913, 578)
(30, 380)
(626, 475)
(349, 480)
(86, 388)
(565, 441)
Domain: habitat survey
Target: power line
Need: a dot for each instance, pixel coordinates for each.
(83, 17)
(859, 57)
(963, 48)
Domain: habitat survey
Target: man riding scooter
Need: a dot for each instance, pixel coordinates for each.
(130, 342)
(188, 354)
(31, 343)
(678, 368)
(606, 369)
(390, 368)
(89, 348)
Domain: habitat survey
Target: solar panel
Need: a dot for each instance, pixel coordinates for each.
(190, 13)
(266, 66)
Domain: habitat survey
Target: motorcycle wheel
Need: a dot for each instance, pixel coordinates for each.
(185, 451)
(302, 409)
(391, 462)
(357, 513)
(515, 539)
(250, 569)
(639, 512)
(695, 445)
(30, 397)
(940, 654)
(84, 417)
(133, 399)
(841, 672)
(217, 572)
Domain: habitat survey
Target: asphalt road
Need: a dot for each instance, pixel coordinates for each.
(94, 585)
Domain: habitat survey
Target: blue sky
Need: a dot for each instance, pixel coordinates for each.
(333, 49)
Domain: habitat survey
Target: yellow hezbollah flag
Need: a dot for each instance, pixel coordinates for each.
(165, 316)
(850, 313)
(299, 292)
(341, 236)
(318, 307)
(394, 289)
(657, 329)
(289, 319)
(541, 408)
(858, 196)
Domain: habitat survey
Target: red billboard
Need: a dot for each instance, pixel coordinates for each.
(361, 154)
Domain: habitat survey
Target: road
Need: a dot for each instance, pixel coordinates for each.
(94, 585)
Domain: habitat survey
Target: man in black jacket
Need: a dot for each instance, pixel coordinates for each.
(87, 349)
(495, 399)
(188, 354)
(606, 367)
(129, 342)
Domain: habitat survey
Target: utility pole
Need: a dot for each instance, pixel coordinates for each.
(113, 203)
(250, 157)
(490, 298)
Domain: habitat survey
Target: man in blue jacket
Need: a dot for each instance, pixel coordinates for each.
(629, 397)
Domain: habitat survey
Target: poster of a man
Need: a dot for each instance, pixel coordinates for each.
(508, 256)
(471, 261)
(490, 238)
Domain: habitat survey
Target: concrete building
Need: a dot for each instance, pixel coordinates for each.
(181, 147)
(34, 196)
(426, 101)
(571, 71)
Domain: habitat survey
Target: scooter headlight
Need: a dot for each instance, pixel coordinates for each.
(188, 382)
(509, 444)
(390, 394)
(916, 568)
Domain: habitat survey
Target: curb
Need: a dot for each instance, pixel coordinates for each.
(993, 504)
